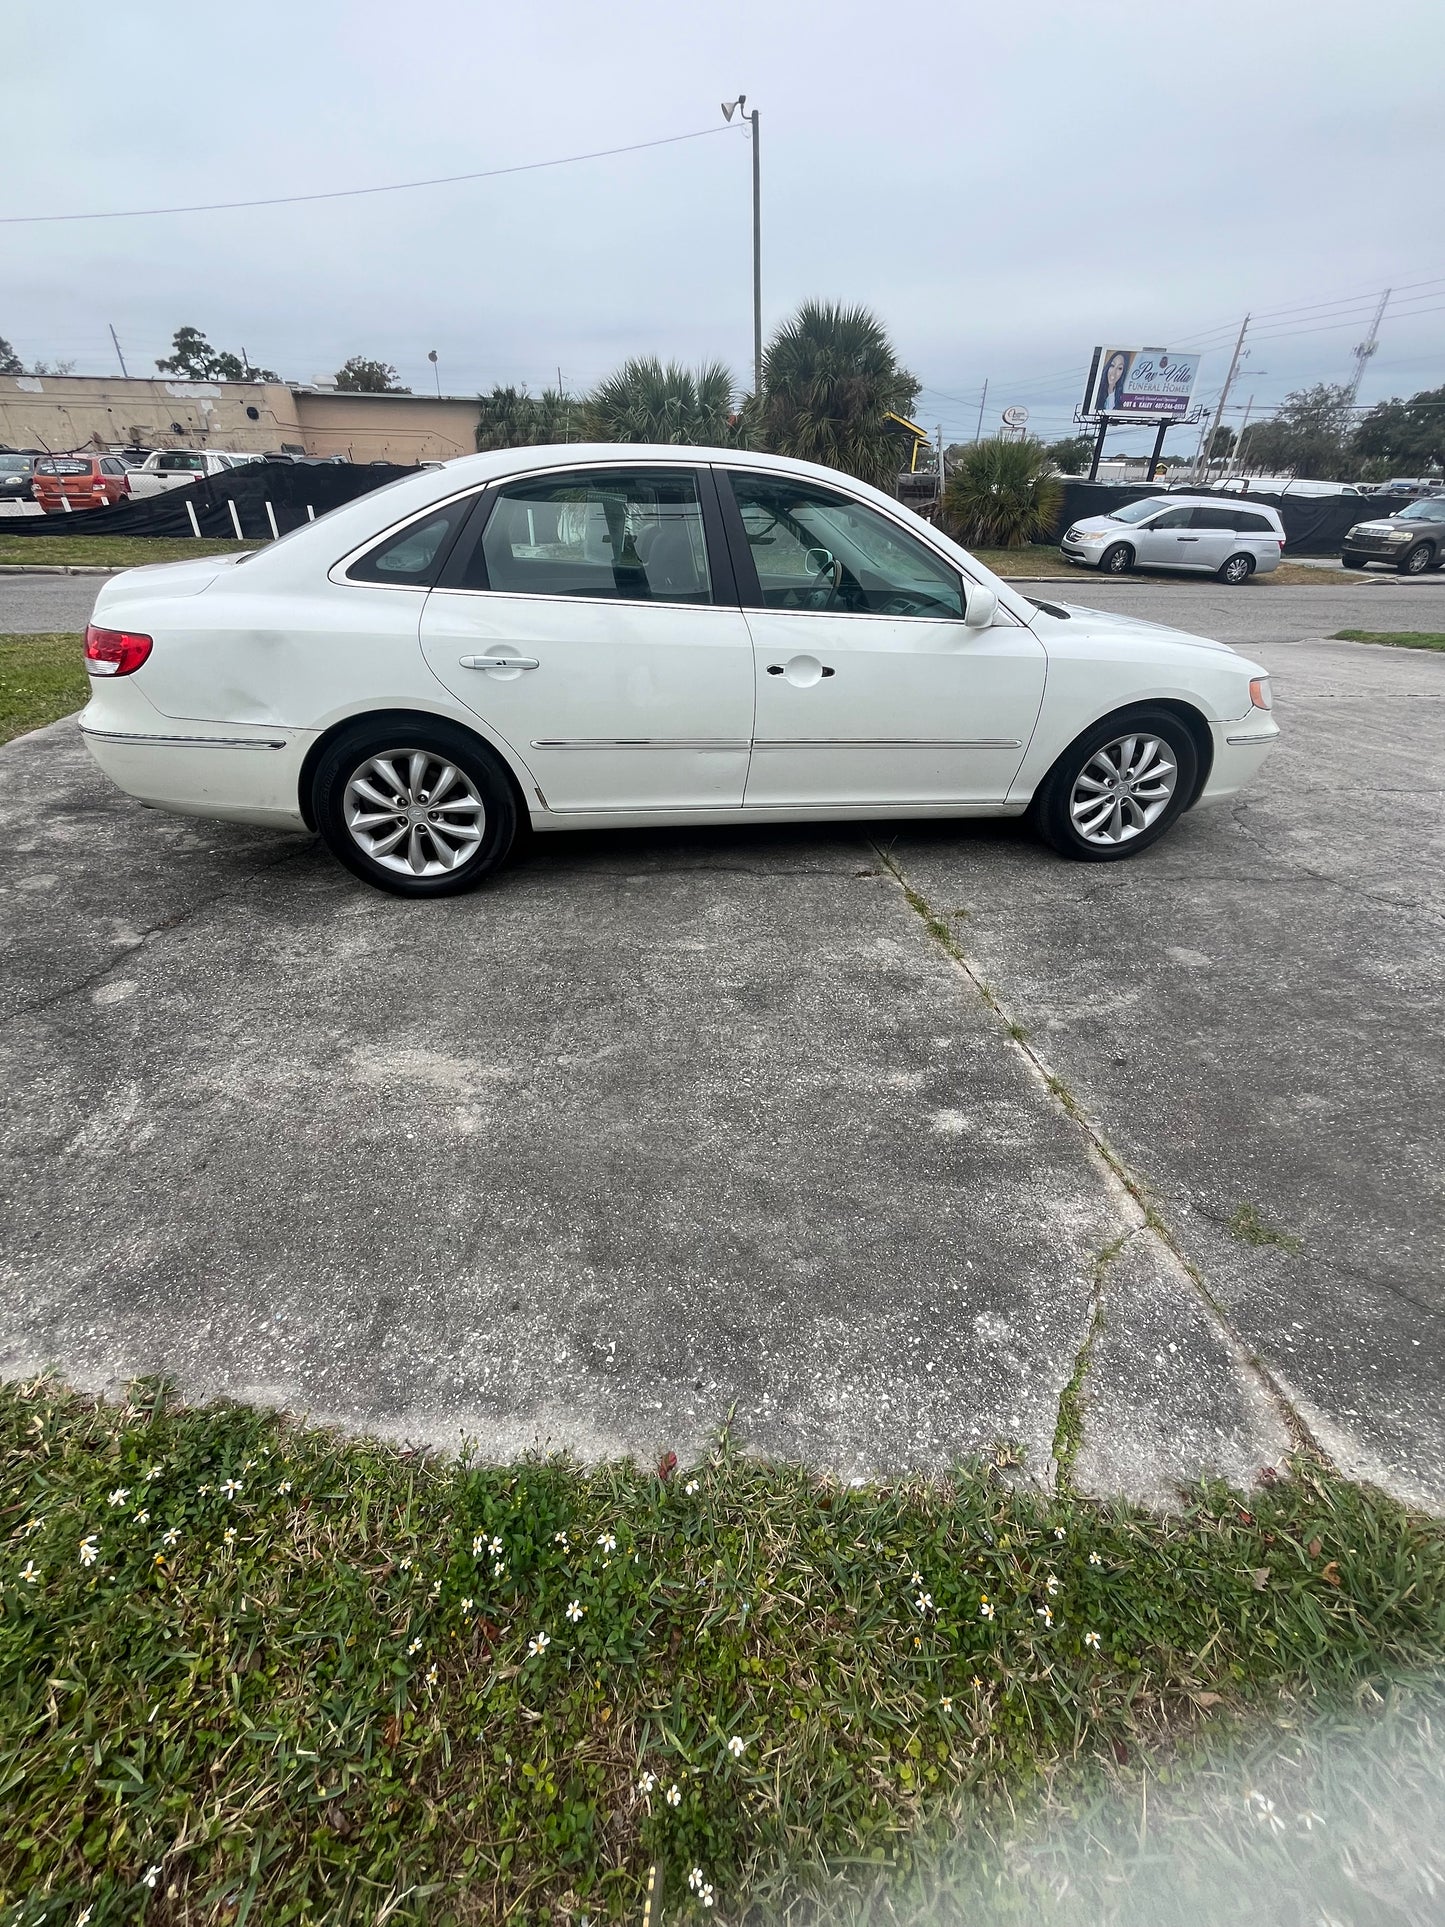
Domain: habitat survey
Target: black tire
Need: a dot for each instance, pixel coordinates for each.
(1116, 560)
(1051, 812)
(1353, 561)
(488, 805)
(1236, 569)
(1417, 560)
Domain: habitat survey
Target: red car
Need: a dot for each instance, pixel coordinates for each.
(84, 481)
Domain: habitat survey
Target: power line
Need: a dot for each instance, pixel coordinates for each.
(349, 193)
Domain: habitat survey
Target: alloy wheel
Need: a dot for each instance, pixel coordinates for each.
(414, 812)
(1123, 788)
(1238, 569)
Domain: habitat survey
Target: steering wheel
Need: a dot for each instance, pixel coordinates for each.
(830, 580)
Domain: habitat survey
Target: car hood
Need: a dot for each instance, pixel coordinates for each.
(1103, 622)
(1388, 522)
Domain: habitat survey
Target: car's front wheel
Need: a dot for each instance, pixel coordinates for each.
(1116, 560)
(1417, 560)
(1353, 561)
(1118, 788)
(417, 807)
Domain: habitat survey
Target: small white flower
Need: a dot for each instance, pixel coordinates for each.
(499, 1570)
(88, 1552)
(467, 1605)
(607, 1542)
(285, 1486)
(1263, 1810)
(538, 1644)
(28, 1572)
(495, 1547)
(431, 1677)
(153, 1472)
(697, 1880)
(1309, 1821)
(119, 1496)
(945, 1703)
(674, 1795)
(1058, 1532)
(737, 1746)
(415, 1646)
(228, 1537)
(1095, 1560)
(477, 1545)
(170, 1535)
(575, 1611)
(985, 1610)
(1045, 1613)
(436, 1588)
(705, 1895)
(559, 1539)
(82, 1917)
(229, 1488)
(202, 1490)
(150, 1876)
(1092, 1639)
(690, 1487)
(1051, 1585)
(917, 1579)
(405, 1566)
(646, 1784)
(143, 1518)
(924, 1602)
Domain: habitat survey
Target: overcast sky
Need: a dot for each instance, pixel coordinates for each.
(1004, 185)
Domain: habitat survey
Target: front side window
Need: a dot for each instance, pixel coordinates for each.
(409, 557)
(814, 549)
(634, 536)
(1178, 519)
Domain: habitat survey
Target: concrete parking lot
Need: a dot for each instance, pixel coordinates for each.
(669, 1127)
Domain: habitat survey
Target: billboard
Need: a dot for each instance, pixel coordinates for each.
(1148, 383)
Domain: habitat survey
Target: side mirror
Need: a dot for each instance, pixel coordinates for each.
(980, 606)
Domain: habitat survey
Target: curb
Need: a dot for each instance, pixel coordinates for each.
(59, 568)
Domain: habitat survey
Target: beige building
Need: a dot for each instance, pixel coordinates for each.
(64, 412)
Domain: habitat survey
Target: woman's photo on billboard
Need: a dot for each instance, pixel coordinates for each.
(1111, 382)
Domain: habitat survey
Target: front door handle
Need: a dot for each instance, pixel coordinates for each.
(1189, 538)
(781, 669)
(499, 662)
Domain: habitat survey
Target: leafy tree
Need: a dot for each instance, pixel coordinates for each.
(10, 362)
(511, 418)
(53, 368)
(358, 376)
(194, 357)
(830, 376)
(651, 401)
(1222, 443)
(1403, 436)
(1072, 454)
(1308, 435)
(1003, 494)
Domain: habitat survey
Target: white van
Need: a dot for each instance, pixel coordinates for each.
(1199, 533)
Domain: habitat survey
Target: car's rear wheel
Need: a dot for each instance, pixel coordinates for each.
(1116, 560)
(1239, 568)
(1417, 560)
(1353, 561)
(420, 808)
(1118, 788)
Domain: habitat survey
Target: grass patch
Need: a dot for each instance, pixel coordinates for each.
(1392, 638)
(112, 551)
(1251, 1229)
(284, 1677)
(41, 679)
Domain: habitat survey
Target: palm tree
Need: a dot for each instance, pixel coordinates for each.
(1002, 494)
(649, 401)
(830, 377)
(511, 418)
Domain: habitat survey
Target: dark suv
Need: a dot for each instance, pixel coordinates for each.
(1411, 540)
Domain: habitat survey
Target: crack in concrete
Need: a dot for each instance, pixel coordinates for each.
(1131, 1191)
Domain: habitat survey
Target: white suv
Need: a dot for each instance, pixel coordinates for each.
(1197, 532)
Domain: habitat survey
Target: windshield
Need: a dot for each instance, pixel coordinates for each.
(1422, 512)
(1136, 511)
(14, 464)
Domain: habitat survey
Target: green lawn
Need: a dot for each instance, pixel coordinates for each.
(1393, 638)
(41, 678)
(111, 551)
(256, 1673)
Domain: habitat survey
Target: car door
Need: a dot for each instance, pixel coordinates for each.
(870, 688)
(1167, 542)
(1211, 537)
(589, 619)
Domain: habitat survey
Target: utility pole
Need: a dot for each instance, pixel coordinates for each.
(1364, 350)
(431, 355)
(1236, 459)
(982, 404)
(1208, 447)
(740, 107)
(118, 355)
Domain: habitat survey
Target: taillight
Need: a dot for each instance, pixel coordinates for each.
(114, 652)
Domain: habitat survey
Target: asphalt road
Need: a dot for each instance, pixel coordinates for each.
(666, 1126)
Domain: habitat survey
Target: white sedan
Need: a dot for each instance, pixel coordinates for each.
(622, 635)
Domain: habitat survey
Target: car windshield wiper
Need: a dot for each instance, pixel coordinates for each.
(1049, 608)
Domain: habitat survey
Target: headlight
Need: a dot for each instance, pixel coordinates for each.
(1259, 693)
(1396, 535)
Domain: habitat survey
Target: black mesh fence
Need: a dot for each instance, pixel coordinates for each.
(295, 492)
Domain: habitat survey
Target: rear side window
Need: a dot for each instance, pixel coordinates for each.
(410, 557)
(1254, 524)
(614, 534)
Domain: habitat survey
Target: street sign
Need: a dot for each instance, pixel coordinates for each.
(1015, 417)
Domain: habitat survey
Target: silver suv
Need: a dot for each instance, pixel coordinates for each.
(1200, 533)
(1412, 539)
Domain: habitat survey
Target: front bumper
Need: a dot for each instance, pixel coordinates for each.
(1086, 553)
(1240, 748)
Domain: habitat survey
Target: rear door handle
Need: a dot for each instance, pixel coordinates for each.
(1189, 538)
(499, 662)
